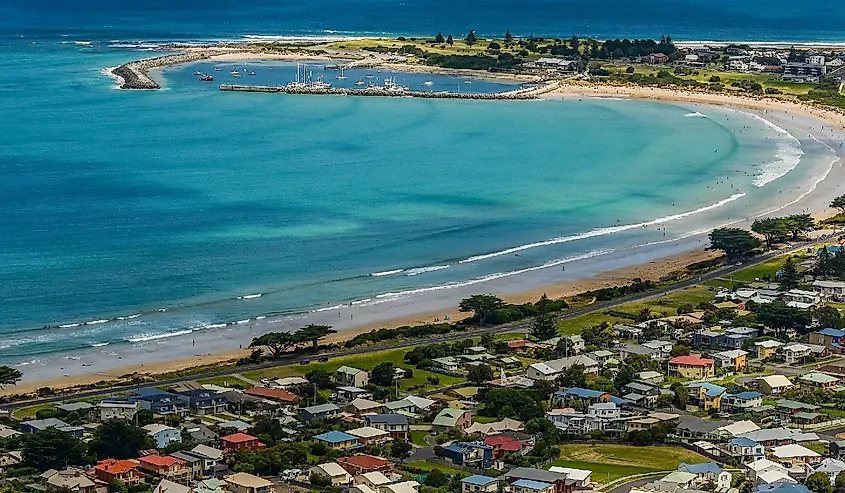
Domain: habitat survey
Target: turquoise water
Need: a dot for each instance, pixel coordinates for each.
(154, 213)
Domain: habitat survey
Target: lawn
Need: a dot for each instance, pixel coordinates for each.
(428, 467)
(366, 361)
(610, 461)
(820, 448)
(28, 413)
(418, 437)
(228, 381)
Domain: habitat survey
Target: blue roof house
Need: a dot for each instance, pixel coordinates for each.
(742, 402)
(338, 440)
(470, 454)
(746, 449)
(707, 472)
(531, 486)
(577, 393)
(479, 484)
(161, 402)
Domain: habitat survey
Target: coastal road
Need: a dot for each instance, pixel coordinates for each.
(722, 272)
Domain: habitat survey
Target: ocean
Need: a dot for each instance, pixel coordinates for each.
(132, 218)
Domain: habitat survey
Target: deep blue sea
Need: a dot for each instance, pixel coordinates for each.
(129, 217)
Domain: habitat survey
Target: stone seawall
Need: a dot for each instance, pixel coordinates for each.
(519, 94)
(135, 74)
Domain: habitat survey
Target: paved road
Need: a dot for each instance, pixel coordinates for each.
(626, 487)
(514, 327)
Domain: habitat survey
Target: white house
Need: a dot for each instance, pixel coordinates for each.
(163, 435)
(770, 471)
(582, 477)
(795, 353)
(831, 467)
(707, 472)
(338, 475)
(117, 409)
(830, 289)
(549, 370)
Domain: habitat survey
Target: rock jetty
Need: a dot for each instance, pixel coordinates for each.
(135, 74)
(518, 94)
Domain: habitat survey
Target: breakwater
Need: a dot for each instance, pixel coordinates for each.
(135, 74)
(518, 94)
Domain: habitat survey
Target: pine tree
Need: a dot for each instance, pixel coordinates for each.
(449, 40)
(471, 39)
(789, 277)
(823, 263)
(508, 37)
(439, 38)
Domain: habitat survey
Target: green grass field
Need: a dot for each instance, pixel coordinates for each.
(27, 413)
(363, 361)
(428, 466)
(609, 461)
(418, 437)
(229, 381)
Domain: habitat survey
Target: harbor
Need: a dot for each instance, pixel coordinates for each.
(522, 93)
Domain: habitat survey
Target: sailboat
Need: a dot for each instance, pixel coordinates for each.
(341, 76)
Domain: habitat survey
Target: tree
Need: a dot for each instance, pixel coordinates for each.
(772, 228)
(778, 316)
(508, 37)
(797, 224)
(449, 40)
(623, 377)
(52, 448)
(436, 479)
(471, 39)
(681, 397)
(144, 417)
(839, 203)
(789, 277)
(319, 378)
(400, 449)
(679, 350)
(542, 389)
(819, 482)
(827, 316)
(383, 374)
(735, 242)
(117, 439)
(573, 377)
(479, 374)
(824, 263)
(685, 308)
(488, 340)
(313, 333)
(9, 376)
(482, 305)
(320, 480)
(277, 342)
(543, 326)
(439, 38)
(839, 483)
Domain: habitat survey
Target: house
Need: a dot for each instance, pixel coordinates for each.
(125, 471)
(210, 485)
(469, 454)
(332, 470)
(403, 487)
(745, 449)
(641, 393)
(741, 403)
(163, 435)
(242, 482)
(579, 394)
(657, 58)
(767, 349)
(771, 437)
(9, 460)
(338, 440)
(72, 479)
(559, 480)
(449, 418)
(764, 471)
(193, 463)
(503, 445)
(42, 424)
(495, 427)
(395, 424)
(707, 338)
(673, 481)
(279, 396)
(240, 441)
(834, 290)
(654, 377)
(447, 364)
(662, 349)
(529, 486)
(795, 455)
(164, 466)
(210, 455)
(831, 467)
(200, 433)
(235, 424)
(707, 472)
(167, 486)
(161, 402)
(362, 463)
(351, 393)
(795, 353)
(550, 370)
(774, 384)
(814, 380)
(373, 480)
(832, 339)
(734, 360)
(320, 412)
(630, 349)
(286, 382)
(368, 435)
(735, 337)
(581, 477)
(479, 484)
(803, 299)
(117, 409)
(706, 395)
(346, 376)
(691, 367)
(202, 401)
(411, 404)
(837, 449)
(737, 428)
(81, 408)
(361, 406)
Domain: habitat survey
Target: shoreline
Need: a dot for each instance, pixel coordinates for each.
(657, 265)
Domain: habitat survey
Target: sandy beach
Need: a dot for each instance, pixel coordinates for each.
(647, 262)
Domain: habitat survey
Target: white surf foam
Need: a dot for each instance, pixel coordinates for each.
(97, 322)
(68, 326)
(695, 115)
(213, 326)
(328, 308)
(605, 231)
(160, 335)
(250, 296)
(241, 322)
(491, 277)
(787, 155)
(386, 273)
(99, 344)
(423, 270)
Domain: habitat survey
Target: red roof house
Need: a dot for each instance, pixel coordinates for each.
(503, 445)
(363, 463)
(691, 366)
(125, 471)
(164, 466)
(241, 441)
(278, 395)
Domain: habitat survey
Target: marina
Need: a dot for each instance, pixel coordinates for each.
(320, 88)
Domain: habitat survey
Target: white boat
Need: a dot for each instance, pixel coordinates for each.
(197, 73)
(359, 82)
(341, 76)
(236, 74)
(467, 82)
(428, 83)
(320, 84)
(369, 76)
(252, 73)
(217, 69)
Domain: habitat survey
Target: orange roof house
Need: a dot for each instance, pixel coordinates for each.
(691, 367)
(278, 395)
(164, 465)
(363, 463)
(241, 441)
(125, 471)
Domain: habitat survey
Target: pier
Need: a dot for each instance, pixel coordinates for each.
(518, 94)
(134, 75)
